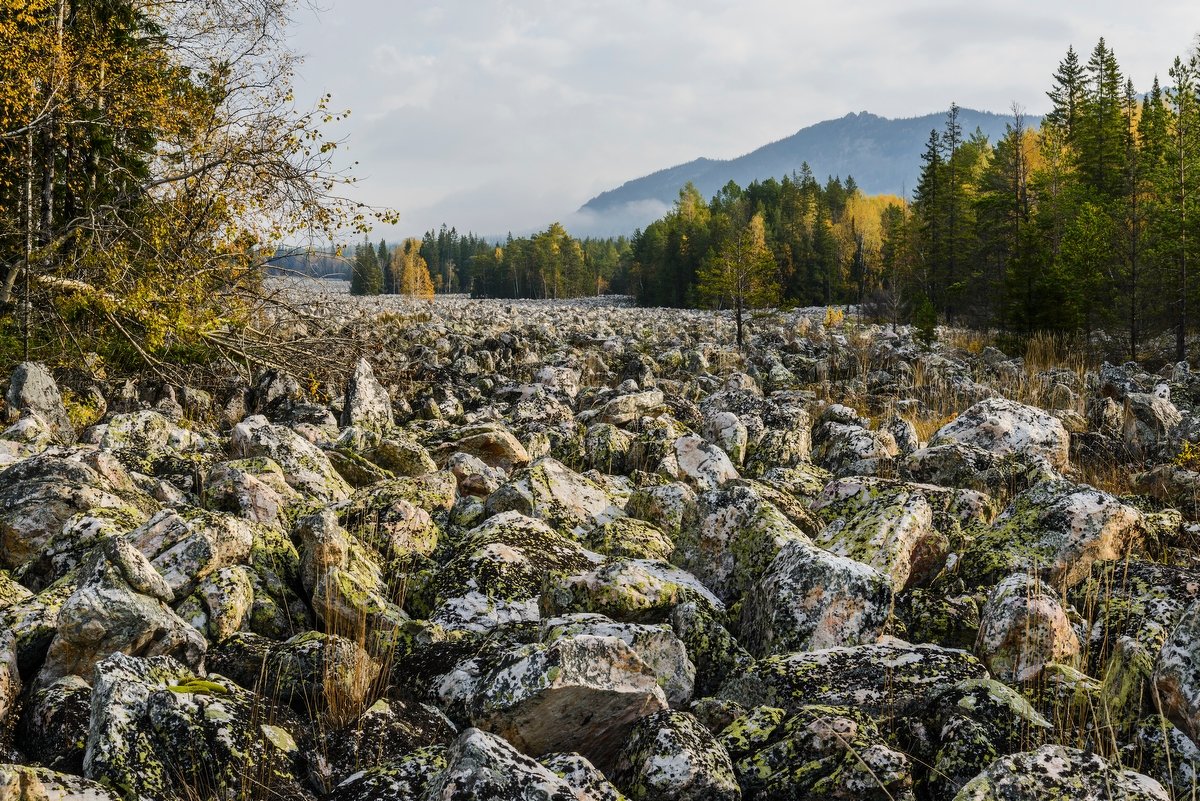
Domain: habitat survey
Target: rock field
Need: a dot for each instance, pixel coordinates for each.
(580, 551)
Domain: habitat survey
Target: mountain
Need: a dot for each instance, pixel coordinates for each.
(883, 155)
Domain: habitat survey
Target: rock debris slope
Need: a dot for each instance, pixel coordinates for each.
(580, 551)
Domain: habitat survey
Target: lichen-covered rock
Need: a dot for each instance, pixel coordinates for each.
(816, 752)
(494, 444)
(509, 557)
(10, 677)
(656, 644)
(580, 693)
(1166, 754)
(1053, 772)
(627, 590)
(1150, 419)
(32, 390)
(582, 776)
(971, 725)
(729, 537)
(388, 730)
(664, 505)
(54, 724)
(626, 409)
(107, 614)
(670, 756)
(305, 466)
(965, 466)
(1056, 528)
(1005, 427)
(39, 495)
(255, 489)
(367, 403)
(728, 433)
(401, 455)
(630, 537)
(901, 529)
(24, 783)
(1177, 677)
(186, 547)
(888, 677)
(1022, 628)
(809, 598)
(347, 586)
(550, 491)
(850, 448)
(702, 464)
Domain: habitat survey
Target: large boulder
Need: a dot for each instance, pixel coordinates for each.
(702, 464)
(1150, 419)
(670, 756)
(550, 491)
(119, 609)
(901, 529)
(809, 598)
(1053, 772)
(581, 693)
(1022, 628)
(890, 677)
(729, 537)
(32, 390)
(186, 547)
(367, 404)
(1177, 677)
(1056, 528)
(306, 467)
(1005, 427)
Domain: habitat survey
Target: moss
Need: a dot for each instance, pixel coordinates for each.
(199, 687)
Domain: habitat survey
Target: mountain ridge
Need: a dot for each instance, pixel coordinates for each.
(881, 153)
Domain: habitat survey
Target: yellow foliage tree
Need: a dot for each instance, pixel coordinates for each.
(411, 271)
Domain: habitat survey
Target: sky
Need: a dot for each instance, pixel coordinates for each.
(507, 115)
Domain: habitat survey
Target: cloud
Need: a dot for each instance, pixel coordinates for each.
(494, 115)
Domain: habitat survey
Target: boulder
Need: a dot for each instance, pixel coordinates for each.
(1053, 772)
(1022, 628)
(669, 755)
(1177, 677)
(306, 468)
(184, 548)
(1149, 421)
(581, 693)
(1055, 528)
(24, 783)
(54, 726)
(1008, 428)
(31, 390)
(809, 599)
(367, 403)
(703, 465)
(549, 490)
(890, 677)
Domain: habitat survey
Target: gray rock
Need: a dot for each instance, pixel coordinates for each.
(1006, 427)
(32, 390)
(670, 756)
(1054, 772)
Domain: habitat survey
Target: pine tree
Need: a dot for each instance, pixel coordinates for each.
(366, 277)
(1067, 95)
(741, 272)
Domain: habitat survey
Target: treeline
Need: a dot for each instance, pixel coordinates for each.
(380, 270)
(1088, 223)
(550, 264)
(829, 243)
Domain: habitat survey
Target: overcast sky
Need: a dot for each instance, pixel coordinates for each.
(498, 115)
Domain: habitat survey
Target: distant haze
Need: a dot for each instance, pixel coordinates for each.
(496, 116)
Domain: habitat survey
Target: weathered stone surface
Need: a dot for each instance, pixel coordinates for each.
(580, 693)
(1005, 427)
(367, 403)
(54, 725)
(550, 491)
(1057, 528)
(1177, 677)
(886, 677)
(306, 468)
(1023, 627)
(107, 615)
(1054, 772)
(702, 464)
(669, 755)
(32, 390)
(23, 783)
(810, 599)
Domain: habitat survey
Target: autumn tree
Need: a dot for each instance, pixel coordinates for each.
(411, 271)
(741, 273)
(153, 156)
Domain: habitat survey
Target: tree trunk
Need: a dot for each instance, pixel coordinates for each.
(737, 316)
